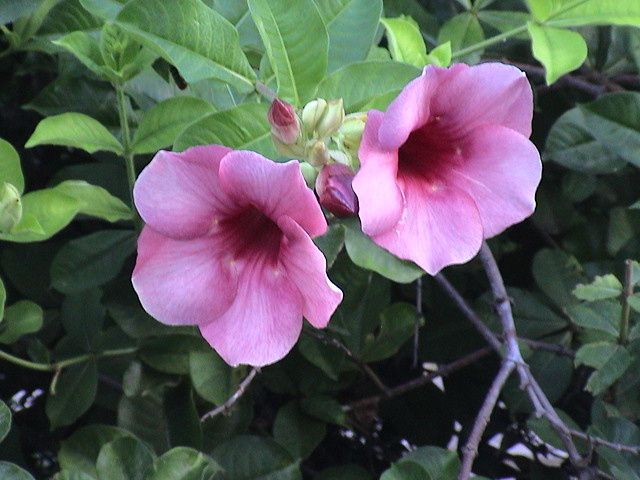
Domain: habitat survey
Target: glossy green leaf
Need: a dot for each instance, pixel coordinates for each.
(560, 51)
(248, 457)
(571, 144)
(75, 393)
(569, 13)
(602, 287)
(91, 261)
(324, 408)
(125, 458)
(244, 127)
(212, 378)
(95, 201)
(296, 431)
(366, 254)
(439, 463)
(609, 360)
(603, 316)
(361, 83)
(86, 49)
(462, 31)
(614, 121)
(210, 50)
(161, 125)
(74, 130)
(13, 472)
(405, 471)
(80, 451)
(10, 169)
(342, 18)
(5, 420)
(171, 354)
(21, 318)
(397, 325)
(405, 41)
(182, 463)
(297, 45)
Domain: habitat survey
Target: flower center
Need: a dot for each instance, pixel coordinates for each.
(252, 235)
(427, 151)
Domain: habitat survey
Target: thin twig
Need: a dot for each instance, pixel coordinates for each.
(626, 308)
(548, 347)
(233, 399)
(443, 371)
(601, 442)
(470, 450)
(334, 342)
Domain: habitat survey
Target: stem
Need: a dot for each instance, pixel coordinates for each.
(490, 41)
(53, 367)
(626, 309)
(233, 399)
(127, 153)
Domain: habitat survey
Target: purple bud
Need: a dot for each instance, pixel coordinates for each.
(333, 186)
(284, 122)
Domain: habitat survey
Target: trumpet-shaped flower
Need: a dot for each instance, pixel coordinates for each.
(227, 247)
(448, 164)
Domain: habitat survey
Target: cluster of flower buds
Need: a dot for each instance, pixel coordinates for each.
(10, 207)
(327, 140)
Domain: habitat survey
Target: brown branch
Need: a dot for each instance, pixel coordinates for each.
(470, 450)
(443, 371)
(233, 399)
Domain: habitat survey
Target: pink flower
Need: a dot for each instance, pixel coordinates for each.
(284, 122)
(334, 190)
(449, 164)
(227, 247)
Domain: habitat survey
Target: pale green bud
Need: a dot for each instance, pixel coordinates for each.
(312, 114)
(332, 119)
(317, 154)
(10, 207)
(350, 133)
(309, 173)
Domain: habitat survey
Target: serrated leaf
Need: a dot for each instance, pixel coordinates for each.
(74, 130)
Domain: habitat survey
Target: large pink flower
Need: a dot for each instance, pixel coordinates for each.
(227, 247)
(449, 164)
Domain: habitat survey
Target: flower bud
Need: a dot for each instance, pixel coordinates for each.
(10, 207)
(317, 154)
(350, 133)
(334, 190)
(285, 126)
(309, 173)
(323, 118)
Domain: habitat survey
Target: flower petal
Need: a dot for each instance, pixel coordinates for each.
(492, 93)
(306, 267)
(276, 189)
(501, 170)
(182, 282)
(264, 321)
(440, 226)
(379, 197)
(178, 194)
(410, 109)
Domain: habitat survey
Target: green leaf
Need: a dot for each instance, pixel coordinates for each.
(634, 302)
(560, 51)
(296, 431)
(602, 287)
(366, 254)
(361, 83)
(80, 451)
(69, 475)
(342, 18)
(91, 261)
(197, 40)
(613, 120)
(569, 13)
(95, 201)
(82, 315)
(244, 127)
(297, 45)
(601, 316)
(557, 274)
(86, 49)
(212, 378)
(145, 417)
(10, 11)
(74, 130)
(13, 472)
(396, 327)
(125, 458)
(248, 457)
(439, 463)
(21, 318)
(5, 420)
(170, 354)
(182, 463)
(405, 40)
(3, 300)
(161, 124)
(572, 144)
(462, 31)
(327, 409)
(405, 471)
(533, 318)
(441, 55)
(105, 9)
(10, 169)
(331, 243)
(609, 360)
(75, 393)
